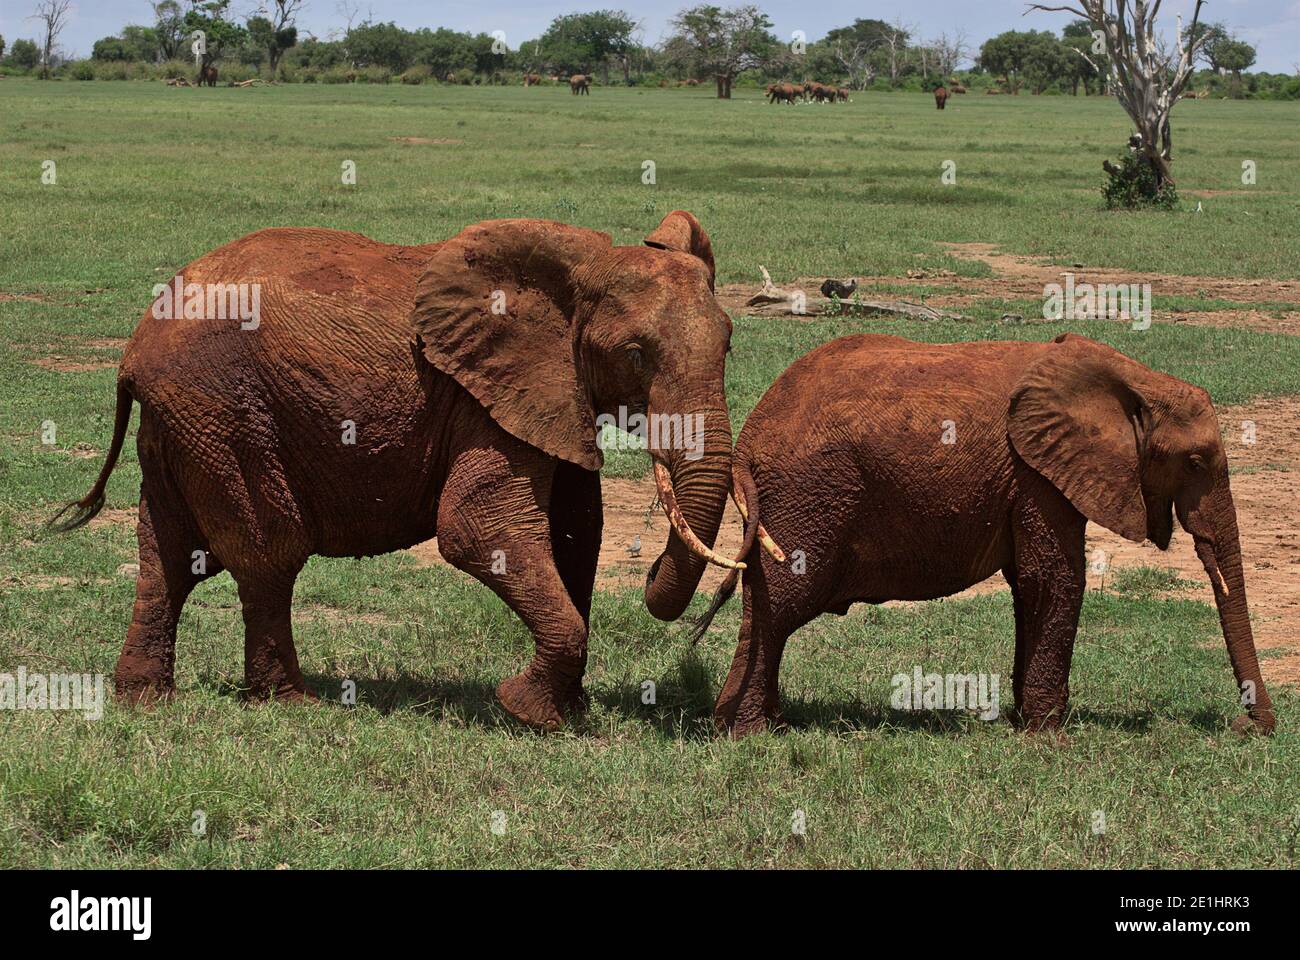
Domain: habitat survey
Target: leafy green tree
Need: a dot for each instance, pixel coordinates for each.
(266, 39)
(137, 44)
(2, 46)
(380, 44)
(221, 35)
(169, 29)
(1234, 56)
(25, 54)
(1047, 61)
(1015, 53)
(723, 43)
(579, 42)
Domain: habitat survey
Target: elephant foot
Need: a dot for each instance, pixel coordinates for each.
(1248, 725)
(542, 701)
(1043, 726)
(281, 693)
(142, 691)
(739, 722)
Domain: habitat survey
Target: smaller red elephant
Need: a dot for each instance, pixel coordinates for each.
(940, 96)
(208, 75)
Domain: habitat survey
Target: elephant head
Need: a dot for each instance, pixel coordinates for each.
(1130, 448)
(552, 328)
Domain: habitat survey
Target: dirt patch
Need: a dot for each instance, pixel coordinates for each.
(107, 343)
(62, 364)
(1017, 277)
(27, 297)
(438, 141)
(1265, 486)
(113, 517)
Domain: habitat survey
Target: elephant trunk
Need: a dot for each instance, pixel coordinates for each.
(700, 486)
(1213, 525)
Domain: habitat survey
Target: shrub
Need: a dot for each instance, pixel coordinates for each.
(171, 69)
(374, 74)
(420, 73)
(82, 70)
(1131, 185)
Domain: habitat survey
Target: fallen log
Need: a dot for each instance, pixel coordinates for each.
(774, 301)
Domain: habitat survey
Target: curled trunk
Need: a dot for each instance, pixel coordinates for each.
(701, 487)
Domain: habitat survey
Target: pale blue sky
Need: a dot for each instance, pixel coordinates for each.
(1273, 26)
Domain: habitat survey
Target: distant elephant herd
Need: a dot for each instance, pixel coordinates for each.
(810, 90)
(389, 394)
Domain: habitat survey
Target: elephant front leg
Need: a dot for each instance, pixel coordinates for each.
(493, 523)
(1048, 583)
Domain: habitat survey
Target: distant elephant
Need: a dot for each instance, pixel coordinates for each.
(580, 84)
(531, 79)
(208, 75)
(782, 92)
(842, 94)
(940, 96)
(911, 471)
(389, 394)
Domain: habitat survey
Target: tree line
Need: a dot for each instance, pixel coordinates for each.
(711, 44)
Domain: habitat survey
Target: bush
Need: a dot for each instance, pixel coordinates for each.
(420, 73)
(171, 69)
(1131, 185)
(374, 74)
(81, 70)
(338, 75)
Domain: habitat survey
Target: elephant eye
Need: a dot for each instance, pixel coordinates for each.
(1196, 462)
(635, 358)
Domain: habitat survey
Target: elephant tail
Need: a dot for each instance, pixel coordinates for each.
(85, 509)
(746, 495)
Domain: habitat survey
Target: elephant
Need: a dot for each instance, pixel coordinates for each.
(940, 97)
(532, 79)
(911, 471)
(208, 75)
(784, 92)
(842, 94)
(580, 84)
(388, 394)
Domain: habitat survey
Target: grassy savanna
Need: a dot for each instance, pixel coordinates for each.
(150, 178)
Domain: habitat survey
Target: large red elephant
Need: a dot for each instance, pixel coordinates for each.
(381, 395)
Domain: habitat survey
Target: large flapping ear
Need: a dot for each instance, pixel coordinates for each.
(681, 231)
(1078, 418)
(495, 310)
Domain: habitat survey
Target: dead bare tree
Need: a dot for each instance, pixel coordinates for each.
(949, 52)
(1147, 74)
(855, 58)
(53, 15)
(895, 40)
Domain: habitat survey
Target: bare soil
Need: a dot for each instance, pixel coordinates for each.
(1016, 277)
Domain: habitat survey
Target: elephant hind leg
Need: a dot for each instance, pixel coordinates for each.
(173, 560)
(270, 659)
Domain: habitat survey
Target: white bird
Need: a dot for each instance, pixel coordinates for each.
(635, 547)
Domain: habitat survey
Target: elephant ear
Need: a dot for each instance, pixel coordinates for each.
(681, 231)
(1078, 418)
(495, 309)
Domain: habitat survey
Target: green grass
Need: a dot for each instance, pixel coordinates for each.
(151, 177)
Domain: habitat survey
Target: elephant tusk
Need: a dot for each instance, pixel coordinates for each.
(768, 543)
(664, 481)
